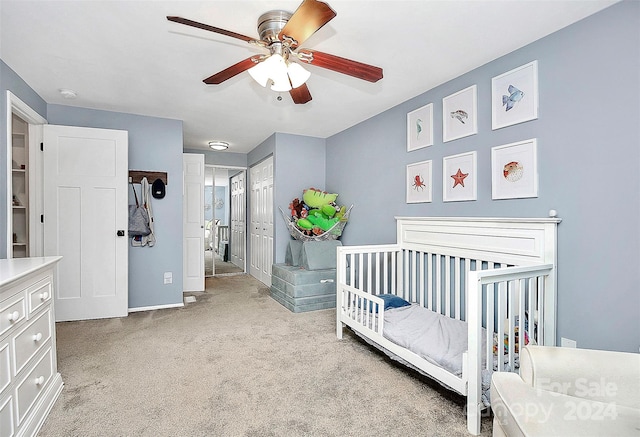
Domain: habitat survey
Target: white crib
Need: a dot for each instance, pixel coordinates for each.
(496, 274)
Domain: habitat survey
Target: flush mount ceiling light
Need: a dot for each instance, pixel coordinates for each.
(219, 145)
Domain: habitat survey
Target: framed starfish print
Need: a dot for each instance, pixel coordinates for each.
(419, 182)
(459, 178)
(420, 128)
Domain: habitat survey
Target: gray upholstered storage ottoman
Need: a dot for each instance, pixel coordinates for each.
(307, 282)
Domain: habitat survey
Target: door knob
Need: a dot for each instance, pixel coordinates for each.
(120, 233)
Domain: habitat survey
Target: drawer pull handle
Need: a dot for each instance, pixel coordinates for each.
(37, 337)
(326, 281)
(39, 380)
(44, 296)
(14, 316)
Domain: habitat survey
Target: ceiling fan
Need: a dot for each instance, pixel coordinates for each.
(282, 33)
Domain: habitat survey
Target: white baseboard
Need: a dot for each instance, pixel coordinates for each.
(157, 307)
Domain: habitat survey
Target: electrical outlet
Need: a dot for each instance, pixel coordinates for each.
(567, 342)
(168, 278)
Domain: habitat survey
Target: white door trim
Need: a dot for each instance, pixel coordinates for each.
(16, 106)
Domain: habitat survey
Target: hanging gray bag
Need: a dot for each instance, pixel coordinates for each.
(138, 218)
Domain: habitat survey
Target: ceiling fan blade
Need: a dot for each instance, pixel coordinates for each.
(341, 65)
(300, 95)
(310, 16)
(228, 73)
(192, 23)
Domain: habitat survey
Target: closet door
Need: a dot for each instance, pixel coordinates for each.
(193, 222)
(261, 176)
(238, 221)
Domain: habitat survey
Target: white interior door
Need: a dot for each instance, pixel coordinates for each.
(193, 222)
(86, 220)
(261, 176)
(255, 233)
(238, 221)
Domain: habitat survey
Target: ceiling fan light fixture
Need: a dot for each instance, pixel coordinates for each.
(278, 73)
(297, 74)
(260, 73)
(219, 145)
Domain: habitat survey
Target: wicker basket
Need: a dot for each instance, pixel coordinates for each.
(333, 233)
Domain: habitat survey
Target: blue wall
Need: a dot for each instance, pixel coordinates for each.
(299, 163)
(588, 135)
(155, 144)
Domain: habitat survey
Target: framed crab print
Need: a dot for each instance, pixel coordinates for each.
(419, 182)
(459, 114)
(420, 128)
(514, 96)
(459, 177)
(514, 170)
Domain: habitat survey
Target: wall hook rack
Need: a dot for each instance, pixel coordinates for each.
(135, 176)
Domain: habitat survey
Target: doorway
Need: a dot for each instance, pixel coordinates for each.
(224, 218)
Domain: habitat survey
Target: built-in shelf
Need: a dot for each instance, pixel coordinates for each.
(19, 188)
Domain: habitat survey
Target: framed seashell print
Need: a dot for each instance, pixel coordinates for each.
(514, 96)
(514, 170)
(459, 114)
(420, 128)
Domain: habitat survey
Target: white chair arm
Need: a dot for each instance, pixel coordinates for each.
(603, 376)
(522, 410)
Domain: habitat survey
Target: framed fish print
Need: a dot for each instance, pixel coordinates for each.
(514, 170)
(459, 114)
(459, 177)
(419, 182)
(514, 96)
(420, 128)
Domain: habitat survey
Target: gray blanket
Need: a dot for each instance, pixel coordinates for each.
(436, 338)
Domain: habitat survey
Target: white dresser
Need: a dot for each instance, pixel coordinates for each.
(29, 378)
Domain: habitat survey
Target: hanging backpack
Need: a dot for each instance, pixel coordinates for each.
(138, 218)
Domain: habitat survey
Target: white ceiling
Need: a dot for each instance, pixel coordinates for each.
(125, 56)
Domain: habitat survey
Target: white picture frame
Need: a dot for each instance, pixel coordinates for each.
(514, 170)
(459, 177)
(459, 114)
(514, 96)
(419, 182)
(420, 128)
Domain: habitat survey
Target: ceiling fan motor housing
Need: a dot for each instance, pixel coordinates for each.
(271, 23)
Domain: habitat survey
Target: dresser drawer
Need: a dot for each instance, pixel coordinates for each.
(6, 417)
(31, 339)
(39, 295)
(11, 312)
(5, 369)
(33, 384)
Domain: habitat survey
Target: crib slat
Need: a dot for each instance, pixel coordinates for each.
(502, 310)
(490, 321)
(531, 309)
(438, 284)
(412, 289)
(542, 315)
(430, 281)
(385, 270)
(422, 279)
(447, 285)
(456, 268)
(511, 311)
(377, 272)
(522, 335)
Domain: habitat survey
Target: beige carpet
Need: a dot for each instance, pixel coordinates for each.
(237, 363)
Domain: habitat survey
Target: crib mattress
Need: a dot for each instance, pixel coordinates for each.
(436, 338)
